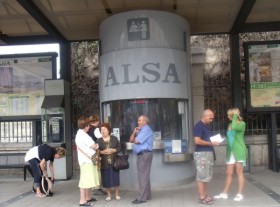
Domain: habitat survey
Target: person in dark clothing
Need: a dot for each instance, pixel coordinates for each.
(204, 155)
(109, 146)
(94, 131)
(38, 157)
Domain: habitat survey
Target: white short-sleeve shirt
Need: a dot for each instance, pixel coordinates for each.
(32, 153)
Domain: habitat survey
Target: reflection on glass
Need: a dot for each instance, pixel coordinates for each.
(53, 125)
(162, 113)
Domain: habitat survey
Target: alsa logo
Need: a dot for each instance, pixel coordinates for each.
(138, 29)
(150, 73)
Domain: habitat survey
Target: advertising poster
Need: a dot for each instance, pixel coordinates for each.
(263, 76)
(22, 83)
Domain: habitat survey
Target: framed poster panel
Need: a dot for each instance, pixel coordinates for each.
(22, 83)
(262, 67)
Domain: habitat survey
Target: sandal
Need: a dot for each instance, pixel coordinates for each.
(206, 201)
(108, 198)
(209, 198)
(40, 195)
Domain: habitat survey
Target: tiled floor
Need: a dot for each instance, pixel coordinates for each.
(262, 188)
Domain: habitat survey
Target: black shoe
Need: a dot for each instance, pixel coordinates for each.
(137, 201)
(92, 200)
(86, 204)
(99, 192)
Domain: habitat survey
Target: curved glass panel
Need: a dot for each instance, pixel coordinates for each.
(163, 114)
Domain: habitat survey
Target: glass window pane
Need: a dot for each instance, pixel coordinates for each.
(162, 113)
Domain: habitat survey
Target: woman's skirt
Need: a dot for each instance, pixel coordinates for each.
(88, 176)
(110, 177)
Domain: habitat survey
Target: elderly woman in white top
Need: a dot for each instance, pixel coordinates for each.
(86, 148)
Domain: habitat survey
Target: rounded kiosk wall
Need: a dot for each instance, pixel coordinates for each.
(145, 55)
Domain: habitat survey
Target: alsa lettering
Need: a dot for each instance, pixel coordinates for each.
(150, 74)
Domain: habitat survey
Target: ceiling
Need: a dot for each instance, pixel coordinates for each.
(44, 21)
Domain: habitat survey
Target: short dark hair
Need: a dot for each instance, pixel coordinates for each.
(83, 122)
(106, 125)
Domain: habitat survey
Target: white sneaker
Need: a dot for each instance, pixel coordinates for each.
(221, 196)
(238, 197)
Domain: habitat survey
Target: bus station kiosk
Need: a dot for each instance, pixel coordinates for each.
(145, 69)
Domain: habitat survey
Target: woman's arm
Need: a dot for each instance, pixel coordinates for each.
(52, 170)
(115, 146)
(119, 147)
(43, 166)
(237, 126)
(101, 146)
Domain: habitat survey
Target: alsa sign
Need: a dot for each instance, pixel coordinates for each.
(150, 73)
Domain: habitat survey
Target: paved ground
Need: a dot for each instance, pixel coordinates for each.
(262, 188)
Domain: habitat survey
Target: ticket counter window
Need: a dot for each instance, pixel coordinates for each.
(163, 114)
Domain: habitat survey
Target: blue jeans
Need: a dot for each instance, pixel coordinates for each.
(36, 170)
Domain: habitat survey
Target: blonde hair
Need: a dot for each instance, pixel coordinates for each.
(94, 118)
(233, 111)
(60, 151)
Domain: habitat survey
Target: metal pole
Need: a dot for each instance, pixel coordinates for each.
(274, 142)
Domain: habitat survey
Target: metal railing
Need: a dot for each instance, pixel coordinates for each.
(217, 96)
(16, 131)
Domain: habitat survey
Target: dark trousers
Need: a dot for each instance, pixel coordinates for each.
(144, 163)
(36, 171)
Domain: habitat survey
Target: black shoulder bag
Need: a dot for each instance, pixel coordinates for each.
(121, 161)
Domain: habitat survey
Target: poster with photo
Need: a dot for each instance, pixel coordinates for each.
(262, 61)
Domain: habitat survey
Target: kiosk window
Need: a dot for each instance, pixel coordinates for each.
(163, 114)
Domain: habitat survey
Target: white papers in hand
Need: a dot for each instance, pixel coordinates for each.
(217, 138)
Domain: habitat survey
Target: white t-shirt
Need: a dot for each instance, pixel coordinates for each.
(32, 153)
(97, 133)
(84, 142)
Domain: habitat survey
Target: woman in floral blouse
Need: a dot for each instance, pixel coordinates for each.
(109, 146)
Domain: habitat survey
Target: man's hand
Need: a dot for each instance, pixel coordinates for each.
(215, 143)
(136, 130)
